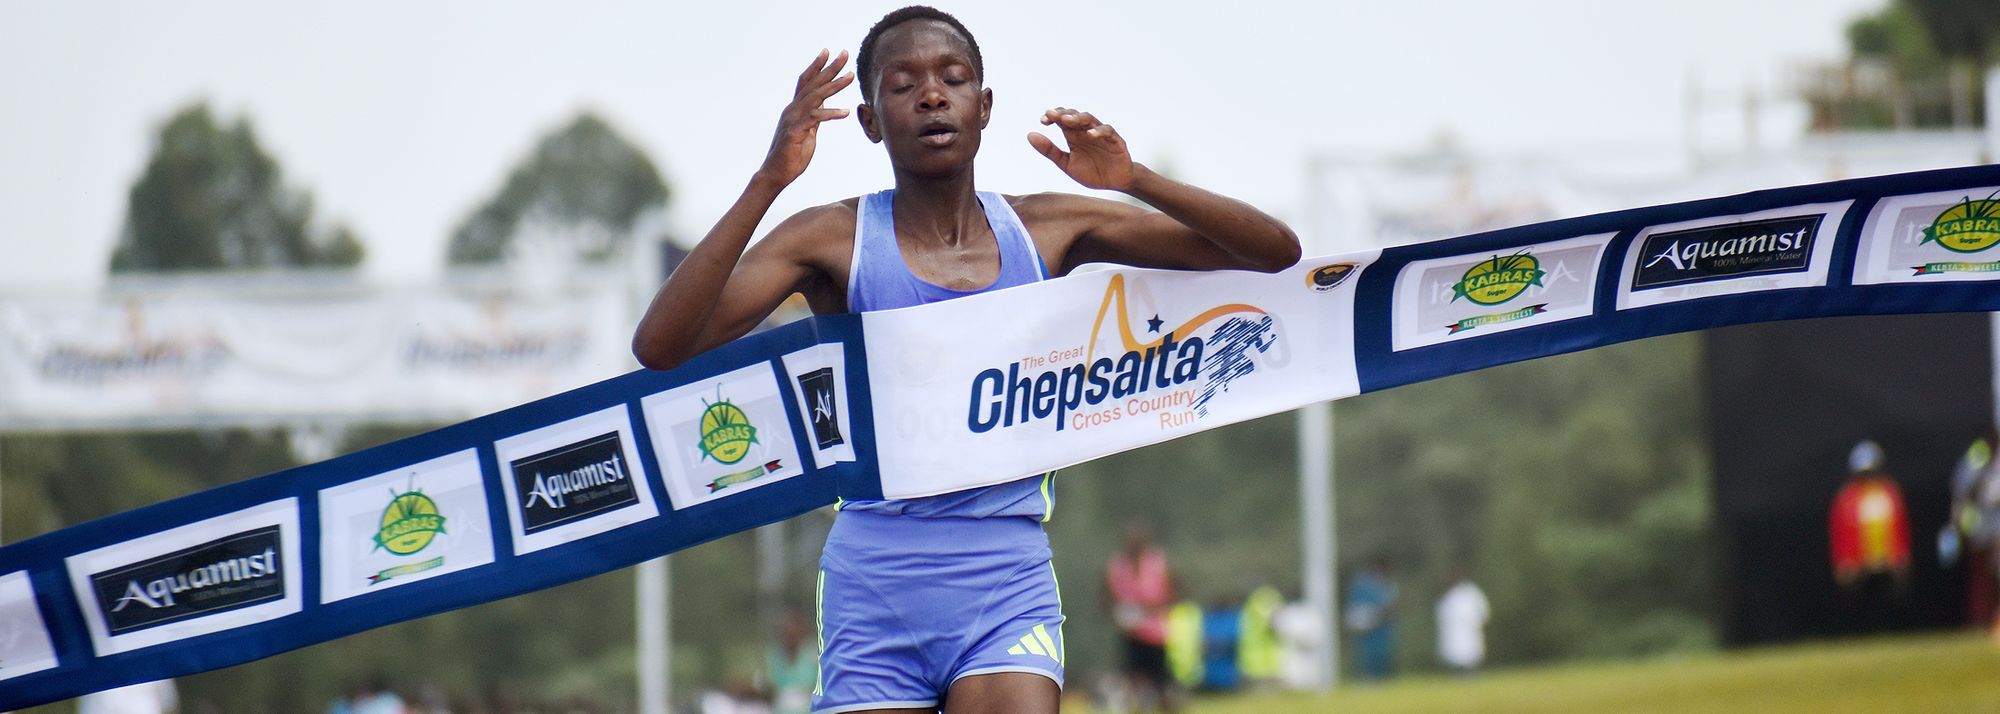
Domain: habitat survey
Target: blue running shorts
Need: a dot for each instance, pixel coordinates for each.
(909, 605)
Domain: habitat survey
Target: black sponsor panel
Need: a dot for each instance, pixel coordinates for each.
(572, 483)
(817, 387)
(218, 576)
(1786, 403)
(1767, 247)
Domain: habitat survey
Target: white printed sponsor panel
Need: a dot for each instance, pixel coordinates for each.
(1730, 255)
(402, 526)
(225, 572)
(819, 378)
(164, 352)
(1948, 236)
(1471, 296)
(573, 480)
(24, 634)
(723, 436)
(1009, 384)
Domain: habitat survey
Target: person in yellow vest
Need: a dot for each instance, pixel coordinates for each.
(1184, 648)
(1257, 649)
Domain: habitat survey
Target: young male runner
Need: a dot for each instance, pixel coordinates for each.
(949, 600)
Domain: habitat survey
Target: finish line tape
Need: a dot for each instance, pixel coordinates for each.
(935, 399)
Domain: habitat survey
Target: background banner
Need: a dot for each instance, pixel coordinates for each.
(274, 354)
(964, 394)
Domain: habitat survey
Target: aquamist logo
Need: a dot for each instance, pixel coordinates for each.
(1171, 378)
(229, 573)
(408, 525)
(1969, 226)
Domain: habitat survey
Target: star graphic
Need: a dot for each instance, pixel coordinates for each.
(1154, 324)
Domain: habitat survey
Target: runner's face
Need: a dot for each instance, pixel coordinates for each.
(929, 106)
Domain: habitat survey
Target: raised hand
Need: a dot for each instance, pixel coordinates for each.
(798, 127)
(1097, 157)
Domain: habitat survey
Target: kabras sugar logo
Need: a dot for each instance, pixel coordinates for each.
(1078, 389)
(408, 525)
(1499, 279)
(1495, 281)
(726, 437)
(1968, 226)
(726, 433)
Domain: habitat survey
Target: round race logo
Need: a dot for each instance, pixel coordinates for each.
(726, 433)
(1968, 226)
(409, 523)
(1499, 279)
(1328, 277)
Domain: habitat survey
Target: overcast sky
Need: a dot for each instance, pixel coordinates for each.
(401, 117)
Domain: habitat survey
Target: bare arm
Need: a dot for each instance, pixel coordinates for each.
(719, 292)
(1195, 229)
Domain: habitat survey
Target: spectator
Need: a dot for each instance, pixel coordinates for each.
(143, 698)
(1141, 591)
(1461, 624)
(1371, 616)
(1868, 529)
(793, 667)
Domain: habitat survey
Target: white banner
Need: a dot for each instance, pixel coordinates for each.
(1731, 255)
(982, 390)
(217, 574)
(819, 374)
(572, 480)
(24, 635)
(410, 524)
(722, 436)
(1947, 236)
(1478, 294)
(180, 355)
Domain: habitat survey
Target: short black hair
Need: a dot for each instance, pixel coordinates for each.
(865, 61)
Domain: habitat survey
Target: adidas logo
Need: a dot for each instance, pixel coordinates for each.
(1037, 642)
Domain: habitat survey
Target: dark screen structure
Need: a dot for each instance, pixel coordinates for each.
(1786, 403)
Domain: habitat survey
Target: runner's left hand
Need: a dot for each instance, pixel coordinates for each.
(1097, 157)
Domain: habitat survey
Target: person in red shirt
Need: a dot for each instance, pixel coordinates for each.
(1141, 593)
(1869, 531)
(1868, 525)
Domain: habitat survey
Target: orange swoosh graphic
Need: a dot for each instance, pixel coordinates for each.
(1116, 290)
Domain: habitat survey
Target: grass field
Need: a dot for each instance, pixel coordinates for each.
(1929, 673)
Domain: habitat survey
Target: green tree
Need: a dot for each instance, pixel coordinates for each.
(1962, 29)
(584, 185)
(212, 199)
(1915, 64)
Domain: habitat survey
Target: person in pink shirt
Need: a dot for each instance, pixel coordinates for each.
(1141, 592)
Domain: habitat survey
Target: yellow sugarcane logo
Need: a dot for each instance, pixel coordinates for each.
(726, 433)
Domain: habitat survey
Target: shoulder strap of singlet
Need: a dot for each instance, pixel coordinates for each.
(1001, 217)
(866, 216)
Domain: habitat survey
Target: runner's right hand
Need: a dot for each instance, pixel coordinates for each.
(798, 126)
